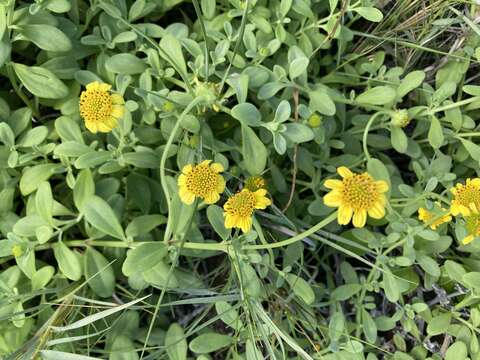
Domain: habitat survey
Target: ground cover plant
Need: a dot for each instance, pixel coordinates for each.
(271, 179)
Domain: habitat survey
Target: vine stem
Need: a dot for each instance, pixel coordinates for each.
(225, 247)
(367, 129)
(163, 160)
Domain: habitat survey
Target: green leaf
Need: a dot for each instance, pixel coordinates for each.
(379, 95)
(435, 134)
(472, 148)
(172, 52)
(6, 135)
(336, 326)
(215, 217)
(208, 8)
(458, 350)
(254, 152)
(301, 288)
(210, 342)
(399, 139)
(44, 201)
(61, 355)
(345, 292)
(247, 114)
(34, 176)
(92, 159)
(392, 290)
(176, 343)
(321, 102)
(84, 189)
(369, 327)
(144, 224)
(67, 261)
(123, 349)
(99, 273)
(298, 133)
(144, 257)
(40, 81)
(46, 37)
(99, 213)
(369, 13)
(126, 64)
(228, 315)
(439, 324)
(42, 277)
(472, 280)
(298, 67)
(410, 82)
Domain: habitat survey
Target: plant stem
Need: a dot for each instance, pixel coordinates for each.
(163, 160)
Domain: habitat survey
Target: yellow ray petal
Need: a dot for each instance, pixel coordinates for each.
(359, 218)
(217, 167)
(344, 172)
(333, 184)
(333, 199)
(212, 197)
(377, 211)
(382, 186)
(186, 196)
(344, 215)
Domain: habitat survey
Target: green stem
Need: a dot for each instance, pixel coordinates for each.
(367, 129)
(296, 238)
(18, 91)
(163, 160)
(454, 105)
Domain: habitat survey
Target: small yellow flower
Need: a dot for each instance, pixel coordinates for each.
(472, 223)
(433, 219)
(254, 183)
(356, 195)
(466, 198)
(17, 250)
(203, 181)
(239, 208)
(99, 108)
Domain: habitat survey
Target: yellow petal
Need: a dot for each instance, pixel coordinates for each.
(382, 186)
(186, 196)
(217, 167)
(333, 184)
(359, 218)
(246, 224)
(220, 184)
(187, 169)
(93, 85)
(117, 111)
(333, 198)
(212, 197)
(344, 215)
(182, 180)
(117, 99)
(104, 87)
(103, 126)
(230, 221)
(468, 239)
(344, 172)
(92, 126)
(377, 211)
(205, 163)
(476, 182)
(261, 201)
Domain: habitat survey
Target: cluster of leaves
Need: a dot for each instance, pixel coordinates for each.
(268, 87)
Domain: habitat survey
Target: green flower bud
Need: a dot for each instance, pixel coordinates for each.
(400, 118)
(17, 250)
(168, 106)
(315, 120)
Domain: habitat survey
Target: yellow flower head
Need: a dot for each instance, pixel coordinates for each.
(17, 251)
(254, 183)
(239, 208)
(434, 219)
(472, 223)
(203, 181)
(466, 198)
(356, 195)
(99, 108)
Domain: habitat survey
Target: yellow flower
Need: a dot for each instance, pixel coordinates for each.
(356, 195)
(466, 198)
(433, 219)
(239, 208)
(472, 223)
(203, 181)
(99, 108)
(17, 251)
(254, 183)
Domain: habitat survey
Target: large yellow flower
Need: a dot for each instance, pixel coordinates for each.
(472, 223)
(239, 208)
(434, 219)
(356, 195)
(203, 181)
(466, 198)
(100, 108)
